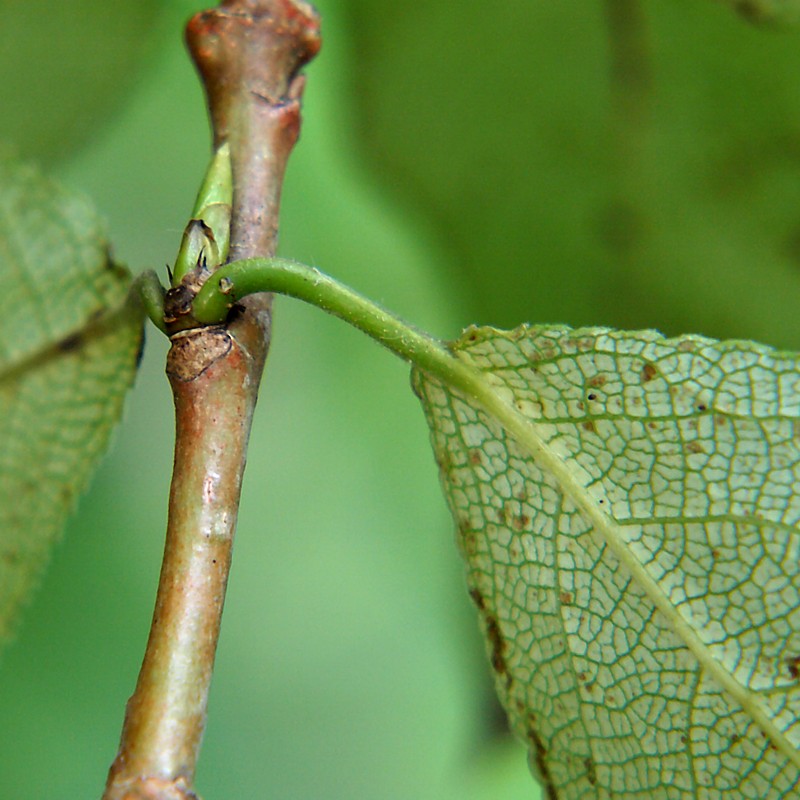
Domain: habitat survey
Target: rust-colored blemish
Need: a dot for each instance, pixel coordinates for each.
(589, 426)
(597, 381)
(694, 447)
(591, 773)
(70, 343)
(648, 373)
(566, 598)
(793, 664)
(498, 646)
(442, 459)
(496, 643)
(539, 753)
(477, 598)
(521, 522)
(475, 457)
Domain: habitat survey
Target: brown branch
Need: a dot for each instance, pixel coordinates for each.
(248, 53)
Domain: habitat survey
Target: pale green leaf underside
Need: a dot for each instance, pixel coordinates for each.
(631, 538)
(68, 349)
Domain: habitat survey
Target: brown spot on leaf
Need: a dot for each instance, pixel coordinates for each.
(566, 598)
(793, 663)
(597, 381)
(477, 598)
(589, 426)
(475, 457)
(498, 646)
(470, 543)
(521, 522)
(539, 758)
(648, 373)
(70, 343)
(694, 447)
(443, 460)
(591, 774)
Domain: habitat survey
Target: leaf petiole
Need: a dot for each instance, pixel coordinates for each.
(248, 276)
(148, 289)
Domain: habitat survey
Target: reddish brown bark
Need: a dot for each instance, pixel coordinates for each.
(248, 53)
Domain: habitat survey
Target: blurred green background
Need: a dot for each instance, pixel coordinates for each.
(623, 162)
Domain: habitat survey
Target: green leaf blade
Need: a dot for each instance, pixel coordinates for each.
(628, 514)
(69, 342)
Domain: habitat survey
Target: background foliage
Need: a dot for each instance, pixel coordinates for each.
(461, 165)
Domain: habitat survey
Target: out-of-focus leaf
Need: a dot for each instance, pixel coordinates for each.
(634, 164)
(69, 342)
(66, 67)
(628, 508)
(767, 11)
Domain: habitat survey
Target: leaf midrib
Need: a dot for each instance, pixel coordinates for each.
(97, 326)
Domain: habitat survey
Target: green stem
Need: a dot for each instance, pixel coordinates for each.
(249, 276)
